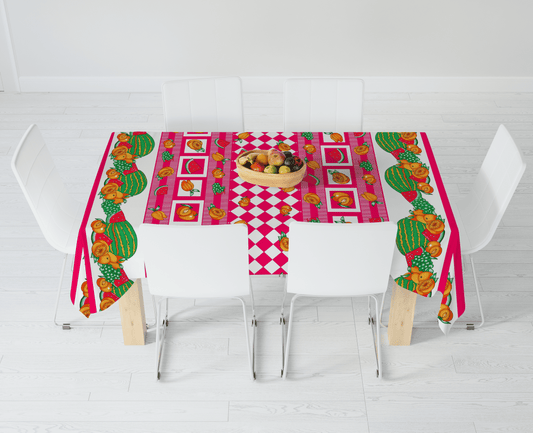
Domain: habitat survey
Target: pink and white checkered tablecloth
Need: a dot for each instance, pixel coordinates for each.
(263, 209)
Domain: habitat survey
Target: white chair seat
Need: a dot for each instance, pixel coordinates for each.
(360, 255)
(479, 212)
(181, 262)
(58, 214)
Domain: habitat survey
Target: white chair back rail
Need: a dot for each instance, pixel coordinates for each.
(323, 104)
(57, 213)
(205, 104)
(196, 261)
(340, 259)
(482, 209)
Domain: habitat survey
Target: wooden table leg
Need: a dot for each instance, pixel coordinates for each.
(132, 316)
(402, 313)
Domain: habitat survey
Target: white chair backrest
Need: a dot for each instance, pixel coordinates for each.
(323, 104)
(340, 259)
(53, 207)
(196, 261)
(500, 174)
(204, 104)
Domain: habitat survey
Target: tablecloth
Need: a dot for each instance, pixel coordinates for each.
(191, 178)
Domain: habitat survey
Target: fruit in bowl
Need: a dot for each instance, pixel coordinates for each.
(256, 166)
(262, 158)
(271, 168)
(275, 157)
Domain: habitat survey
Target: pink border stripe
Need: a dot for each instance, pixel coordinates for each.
(454, 246)
(459, 280)
(82, 238)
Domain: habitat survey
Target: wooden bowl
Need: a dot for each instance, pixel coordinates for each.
(284, 180)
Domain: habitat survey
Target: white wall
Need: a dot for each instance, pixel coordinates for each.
(153, 39)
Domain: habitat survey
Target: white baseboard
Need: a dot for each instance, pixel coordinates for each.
(275, 84)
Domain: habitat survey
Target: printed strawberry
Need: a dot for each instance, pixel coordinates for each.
(376, 220)
(410, 195)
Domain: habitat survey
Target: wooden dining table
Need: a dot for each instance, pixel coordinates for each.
(191, 178)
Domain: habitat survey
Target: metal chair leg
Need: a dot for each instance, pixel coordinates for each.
(471, 326)
(381, 310)
(287, 347)
(376, 336)
(250, 350)
(65, 326)
(159, 339)
(283, 333)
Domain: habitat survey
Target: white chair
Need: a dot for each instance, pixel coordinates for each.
(203, 104)
(59, 215)
(323, 104)
(337, 260)
(197, 262)
(481, 210)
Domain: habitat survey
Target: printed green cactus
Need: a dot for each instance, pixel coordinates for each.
(410, 236)
(398, 179)
(389, 141)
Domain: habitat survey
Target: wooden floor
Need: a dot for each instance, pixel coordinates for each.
(85, 380)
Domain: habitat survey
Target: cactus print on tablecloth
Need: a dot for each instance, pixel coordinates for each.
(421, 232)
(113, 239)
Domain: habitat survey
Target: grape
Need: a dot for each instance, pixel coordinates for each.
(109, 273)
(424, 262)
(218, 189)
(366, 165)
(110, 208)
(307, 135)
(167, 156)
(122, 166)
(409, 156)
(422, 204)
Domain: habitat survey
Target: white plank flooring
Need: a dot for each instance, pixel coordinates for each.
(85, 380)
